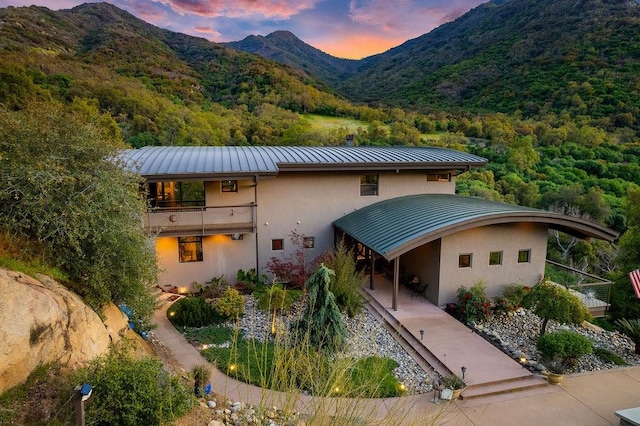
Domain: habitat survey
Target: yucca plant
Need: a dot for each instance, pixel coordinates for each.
(632, 329)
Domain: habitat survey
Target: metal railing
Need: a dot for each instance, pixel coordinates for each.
(201, 220)
(593, 290)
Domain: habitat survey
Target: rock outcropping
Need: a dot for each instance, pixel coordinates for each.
(43, 322)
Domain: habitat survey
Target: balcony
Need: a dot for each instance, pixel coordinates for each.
(184, 221)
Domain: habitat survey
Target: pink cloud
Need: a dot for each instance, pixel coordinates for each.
(280, 9)
(207, 30)
(409, 18)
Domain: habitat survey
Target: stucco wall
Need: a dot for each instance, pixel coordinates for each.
(309, 202)
(215, 197)
(221, 255)
(480, 242)
(305, 202)
(424, 262)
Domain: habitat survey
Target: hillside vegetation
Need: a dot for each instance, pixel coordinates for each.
(148, 86)
(533, 58)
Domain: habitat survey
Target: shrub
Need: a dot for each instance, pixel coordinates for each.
(473, 304)
(130, 391)
(292, 270)
(230, 304)
(215, 289)
(373, 377)
(453, 382)
(632, 329)
(192, 312)
(511, 298)
(609, 356)
(553, 302)
(201, 374)
(564, 345)
(249, 280)
(345, 285)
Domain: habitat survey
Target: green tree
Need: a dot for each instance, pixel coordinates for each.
(62, 185)
(321, 324)
(553, 302)
(346, 283)
(624, 303)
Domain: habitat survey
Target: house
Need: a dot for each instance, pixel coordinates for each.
(216, 210)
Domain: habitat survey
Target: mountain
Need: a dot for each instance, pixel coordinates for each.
(161, 87)
(532, 58)
(284, 47)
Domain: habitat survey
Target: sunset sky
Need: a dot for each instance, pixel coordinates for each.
(342, 28)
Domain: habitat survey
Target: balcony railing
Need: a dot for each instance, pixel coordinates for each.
(593, 291)
(201, 220)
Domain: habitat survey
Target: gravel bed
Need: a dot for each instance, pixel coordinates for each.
(365, 337)
(516, 335)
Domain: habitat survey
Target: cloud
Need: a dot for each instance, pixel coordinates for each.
(207, 30)
(272, 9)
(407, 17)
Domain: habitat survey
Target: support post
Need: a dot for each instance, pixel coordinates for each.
(372, 258)
(396, 280)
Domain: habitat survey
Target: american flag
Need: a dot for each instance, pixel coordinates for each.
(635, 281)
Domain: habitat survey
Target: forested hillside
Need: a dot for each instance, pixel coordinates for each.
(161, 87)
(533, 58)
(149, 86)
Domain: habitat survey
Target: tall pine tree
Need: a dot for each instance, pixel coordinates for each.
(321, 324)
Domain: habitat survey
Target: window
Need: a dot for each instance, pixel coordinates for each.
(177, 194)
(439, 177)
(190, 249)
(524, 256)
(464, 261)
(495, 258)
(369, 184)
(229, 186)
(277, 244)
(309, 242)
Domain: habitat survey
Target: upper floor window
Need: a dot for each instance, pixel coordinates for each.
(439, 177)
(524, 256)
(190, 249)
(176, 194)
(464, 261)
(369, 184)
(229, 186)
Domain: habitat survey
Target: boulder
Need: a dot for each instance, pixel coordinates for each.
(42, 322)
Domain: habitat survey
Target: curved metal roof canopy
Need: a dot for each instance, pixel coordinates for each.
(396, 226)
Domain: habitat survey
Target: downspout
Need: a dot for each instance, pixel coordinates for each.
(255, 222)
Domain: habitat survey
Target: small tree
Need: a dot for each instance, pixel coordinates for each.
(321, 323)
(553, 302)
(293, 268)
(345, 284)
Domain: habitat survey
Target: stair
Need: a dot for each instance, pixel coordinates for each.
(477, 392)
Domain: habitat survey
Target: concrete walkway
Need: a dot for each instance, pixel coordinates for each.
(585, 400)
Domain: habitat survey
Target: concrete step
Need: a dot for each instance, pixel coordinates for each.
(504, 386)
(522, 386)
(425, 359)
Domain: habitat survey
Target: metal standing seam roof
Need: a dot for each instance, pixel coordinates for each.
(396, 226)
(186, 161)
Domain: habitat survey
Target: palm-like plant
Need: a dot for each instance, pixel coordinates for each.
(632, 329)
